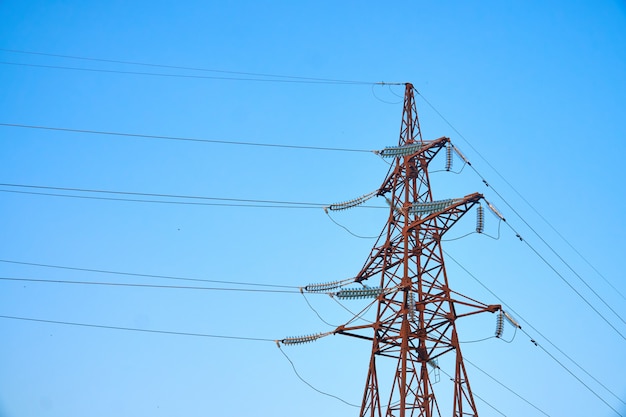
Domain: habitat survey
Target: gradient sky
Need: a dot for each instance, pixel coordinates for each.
(533, 93)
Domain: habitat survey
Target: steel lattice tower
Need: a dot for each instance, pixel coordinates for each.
(416, 310)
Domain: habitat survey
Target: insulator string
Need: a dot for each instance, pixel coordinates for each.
(480, 219)
(499, 324)
(351, 203)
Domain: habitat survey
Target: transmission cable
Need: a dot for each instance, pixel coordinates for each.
(532, 327)
(570, 372)
(187, 68)
(293, 366)
(580, 278)
(229, 202)
(180, 138)
(505, 387)
(127, 284)
(473, 393)
(523, 199)
(133, 329)
(103, 271)
(205, 77)
(582, 297)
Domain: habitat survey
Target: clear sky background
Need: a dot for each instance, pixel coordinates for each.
(532, 92)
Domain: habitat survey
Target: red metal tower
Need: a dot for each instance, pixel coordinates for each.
(416, 309)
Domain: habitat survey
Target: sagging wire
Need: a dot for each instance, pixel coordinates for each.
(314, 310)
(346, 229)
(356, 316)
(393, 92)
(384, 101)
(450, 150)
(480, 225)
(293, 366)
(476, 341)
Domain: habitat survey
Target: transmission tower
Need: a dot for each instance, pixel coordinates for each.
(416, 309)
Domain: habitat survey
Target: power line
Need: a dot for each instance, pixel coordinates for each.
(188, 203)
(103, 271)
(187, 68)
(474, 394)
(206, 77)
(523, 199)
(507, 388)
(578, 293)
(293, 366)
(571, 373)
(125, 284)
(133, 329)
(193, 197)
(230, 202)
(180, 138)
(533, 328)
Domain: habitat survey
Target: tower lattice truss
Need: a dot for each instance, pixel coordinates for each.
(416, 309)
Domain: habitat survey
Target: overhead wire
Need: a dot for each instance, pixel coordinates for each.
(137, 285)
(580, 278)
(487, 163)
(186, 203)
(506, 387)
(192, 76)
(474, 393)
(578, 293)
(523, 199)
(105, 271)
(293, 366)
(201, 69)
(570, 372)
(181, 138)
(533, 328)
(134, 329)
(226, 202)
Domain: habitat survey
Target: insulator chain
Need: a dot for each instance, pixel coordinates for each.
(303, 339)
(432, 206)
(397, 151)
(500, 324)
(327, 286)
(448, 156)
(355, 293)
(411, 306)
(480, 219)
(458, 152)
(495, 211)
(351, 203)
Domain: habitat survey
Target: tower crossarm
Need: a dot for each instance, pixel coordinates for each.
(449, 211)
(423, 153)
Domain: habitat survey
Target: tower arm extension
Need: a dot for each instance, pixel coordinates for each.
(430, 148)
(451, 213)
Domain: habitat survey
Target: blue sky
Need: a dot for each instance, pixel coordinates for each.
(532, 93)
